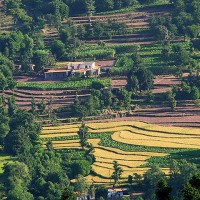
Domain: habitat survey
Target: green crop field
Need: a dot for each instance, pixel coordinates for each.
(86, 83)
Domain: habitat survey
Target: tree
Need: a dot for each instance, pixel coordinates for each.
(163, 190)
(124, 98)
(58, 48)
(132, 83)
(83, 135)
(138, 178)
(4, 127)
(42, 59)
(68, 194)
(195, 93)
(130, 179)
(17, 173)
(81, 185)
(117, 172)
(151, 179)
(11, 106)
(101, 192)
(42, 105)
(82, 167)
(23, 134)
(107, 97)
(191, 190)
(89, 7)
(33, 105)
(3, 82)
(181, 56)
(180, 173)
(171, 99)
(164, 35)
(19, 193)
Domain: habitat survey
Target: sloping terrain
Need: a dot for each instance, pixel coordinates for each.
(130, 143)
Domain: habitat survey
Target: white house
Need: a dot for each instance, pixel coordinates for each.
(72, 68)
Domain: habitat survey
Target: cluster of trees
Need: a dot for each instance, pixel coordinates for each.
(183, 182)
(71, 37)
(92, 6)
(99, 100)
(36, 173)
(31, 16)
(183, 21)
(6, 73)
(20, 48)
(189, 88)
(139, 78)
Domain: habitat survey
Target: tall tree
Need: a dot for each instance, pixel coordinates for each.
(151, 179)
(83, 135)
(117, 172)
(89, 7)
(163, 190)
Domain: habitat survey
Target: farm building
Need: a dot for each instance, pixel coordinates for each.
(117, 193)
(72, 68)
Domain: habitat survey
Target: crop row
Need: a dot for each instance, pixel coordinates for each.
(62, 85)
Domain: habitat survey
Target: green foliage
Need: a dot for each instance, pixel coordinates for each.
(23, 134)
(163, 190)
(101, 192)
(42, 59)
(63, 85)
(181, 173)
(151, 180)
(191, 190)
(117, 171)
(68, 195)
(83, 135)
(171, 99)
(58, 48)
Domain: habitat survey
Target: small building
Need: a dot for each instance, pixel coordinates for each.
(72, 68)
(117, 193)
(56, 74)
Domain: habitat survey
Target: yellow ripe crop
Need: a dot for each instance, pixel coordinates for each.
(148, 127)
(68, 130)
(53, 135)
(130, 138)
(69, 126)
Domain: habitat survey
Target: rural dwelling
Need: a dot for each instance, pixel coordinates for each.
(67, 69)
(117, 193)
(56, 74)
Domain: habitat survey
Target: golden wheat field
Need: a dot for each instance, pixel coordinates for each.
(132, 138)
(128, 132)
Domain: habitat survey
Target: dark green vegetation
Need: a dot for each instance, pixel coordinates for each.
(35, 173)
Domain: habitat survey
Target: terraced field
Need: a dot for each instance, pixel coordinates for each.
(130, 143)
(59, 98)
(6, 22)
(135, 21)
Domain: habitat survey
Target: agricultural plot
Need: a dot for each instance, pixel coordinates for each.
(131, 144)
(62, 85)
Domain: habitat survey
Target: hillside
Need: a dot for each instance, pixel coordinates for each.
(6, 22)
(99, 99)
